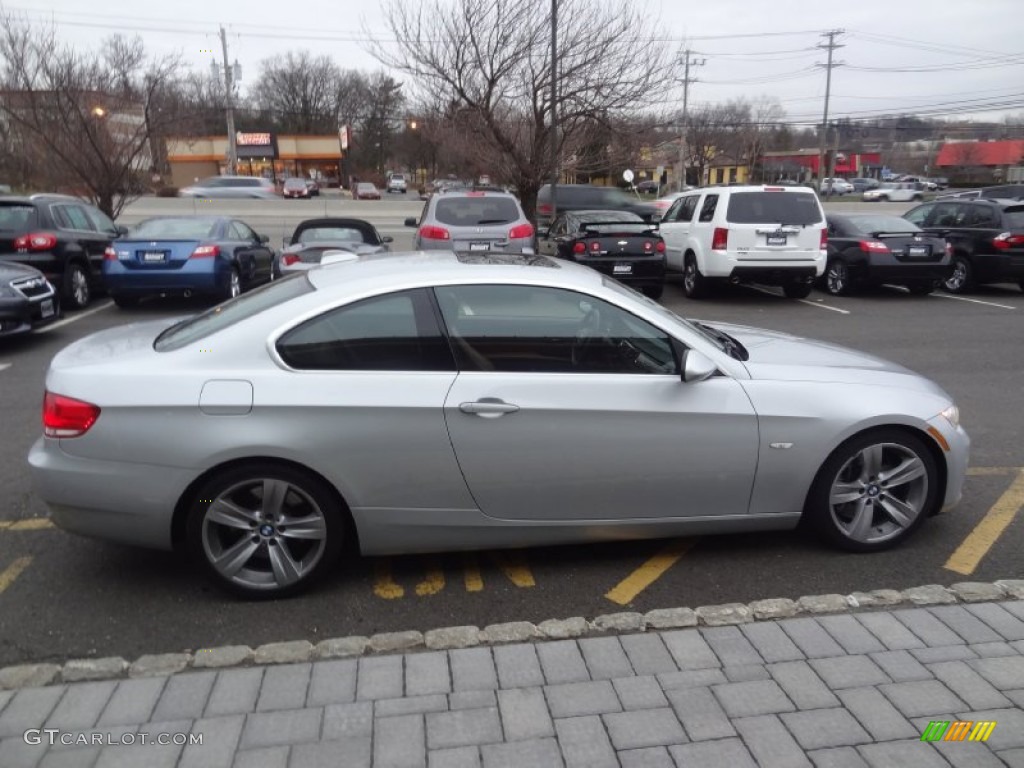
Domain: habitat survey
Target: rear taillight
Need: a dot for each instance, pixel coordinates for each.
(109, 254)
(434, 233)
(544, 208)
(290, 258)
(774, 189)
(206, 252)
(35, 241)
(648, 246)
(579, 248)
(520, 232)
(660, 246)
(873, 246)
(824, 240)
(949, 249)
(67, 417)
(1008, 240)
(720, 239)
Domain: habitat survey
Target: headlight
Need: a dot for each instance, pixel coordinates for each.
(952, 415)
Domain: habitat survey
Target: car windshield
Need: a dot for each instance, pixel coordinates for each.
(233, 311)
(174, 229)
(1014, 217)
(365, 187)
(869, 224)
(331, 234)
(295, 184)
(474, 211)
(16, 217)
(773, 208)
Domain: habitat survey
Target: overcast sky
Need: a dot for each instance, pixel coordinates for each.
(935, 57)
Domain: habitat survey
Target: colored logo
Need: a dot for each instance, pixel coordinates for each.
(958, 730)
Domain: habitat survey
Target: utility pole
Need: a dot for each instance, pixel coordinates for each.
(689, 62)
(554, 109)
(830, 46)
(229, 105)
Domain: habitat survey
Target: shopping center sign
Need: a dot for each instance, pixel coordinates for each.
(256, 145)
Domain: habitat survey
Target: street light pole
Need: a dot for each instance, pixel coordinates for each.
(554, 108)
(229, 102)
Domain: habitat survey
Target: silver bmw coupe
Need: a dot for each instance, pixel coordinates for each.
(445, 401)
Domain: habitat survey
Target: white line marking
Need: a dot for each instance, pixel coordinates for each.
(4, 365)
(973, 301)
(76, 318)
(802, 301)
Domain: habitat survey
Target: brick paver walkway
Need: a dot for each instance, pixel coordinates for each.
(842, 690)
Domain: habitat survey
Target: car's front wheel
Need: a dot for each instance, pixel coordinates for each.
(265, 531)
(873, 491)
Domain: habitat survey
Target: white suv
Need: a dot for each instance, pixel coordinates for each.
(765, 234)
(396, 183)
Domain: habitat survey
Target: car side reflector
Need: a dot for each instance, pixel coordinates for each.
(939, 438)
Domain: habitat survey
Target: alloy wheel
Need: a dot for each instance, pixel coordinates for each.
(837, 278)
(957, 278)
(879, 493)
(235, 286)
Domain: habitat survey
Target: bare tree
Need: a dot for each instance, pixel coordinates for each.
(763, 115)
(713, 130)
(300, 91)
(83, 122)
(492, 59)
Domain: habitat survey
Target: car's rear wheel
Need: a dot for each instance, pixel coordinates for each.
(797, 290)
(234, 285)
(873, 491)
(654, 291)
(75, 288)
(125, 301)
(695, 285)
(961, 277)
(837, 278)
(264, 530)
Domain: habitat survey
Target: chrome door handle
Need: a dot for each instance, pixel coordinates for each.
(488, 407)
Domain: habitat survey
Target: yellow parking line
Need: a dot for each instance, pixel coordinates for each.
(471, 572)
(514, 566)
(384, 586)
(985, 534)
(434, 581)
(626, 590)
(13, 571)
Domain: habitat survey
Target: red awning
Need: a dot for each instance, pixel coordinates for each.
(844, 168)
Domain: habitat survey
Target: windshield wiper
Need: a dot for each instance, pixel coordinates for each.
(729, 344)
(493, 221)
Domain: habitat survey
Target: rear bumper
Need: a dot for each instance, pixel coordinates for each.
(773, 268)
(643, 270)
(775, 275)
(210, 277)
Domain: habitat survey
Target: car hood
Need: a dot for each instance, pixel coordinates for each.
(782, 356)
(10, 270)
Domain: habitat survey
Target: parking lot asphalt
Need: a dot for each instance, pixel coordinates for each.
(63, 597)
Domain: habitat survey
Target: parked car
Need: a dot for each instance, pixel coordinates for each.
(232, 187)
(967, 194)
(871, 249)
(894, 192)
(648, 187)
(61, 236)
(366, 190)
(986, 236)
(923, 183)
(27, 299)
(1003, 192)
(585, 197)
(862, 184)
(315, 237)
(313, 186)
(388, 445)
(835, 187)
(295, 188)
(472, 220)
(766, 234)
(185, 255)
(619, 244)
(397, 183)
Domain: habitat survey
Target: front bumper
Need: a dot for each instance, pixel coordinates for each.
(21, 315)
(957, 458)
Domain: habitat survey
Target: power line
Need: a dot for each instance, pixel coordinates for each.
(831, 46)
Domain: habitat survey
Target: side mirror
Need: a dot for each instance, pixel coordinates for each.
(120, 229)
(697, 367)
(387, 239)
(410, 222)
(264, 239)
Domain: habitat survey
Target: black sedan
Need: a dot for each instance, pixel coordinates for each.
(871, 249)
(619, 244)
(315, 237)
(27, 299)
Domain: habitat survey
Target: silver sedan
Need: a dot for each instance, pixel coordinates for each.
(441, 401)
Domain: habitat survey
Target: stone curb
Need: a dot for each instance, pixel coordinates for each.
(449, 638)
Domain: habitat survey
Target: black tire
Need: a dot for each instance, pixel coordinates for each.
(124, 301)
(797, 290)
(304, 496)
(654, 291)
(695, 285)
(234, 282)
(75, 289)
(921, 289)
(828, 523)
(961, 276)
(837, 278)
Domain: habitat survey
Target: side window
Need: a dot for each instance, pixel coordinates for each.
(981, 216)
(707, 210)
(919, 215)
(394, 332)
(531, 329)
(944, 215)
(74, 217)
(689, 208)
(674, 210)
(240, 231)
(101, 222)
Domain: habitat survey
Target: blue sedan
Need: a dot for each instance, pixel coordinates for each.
(185, 255)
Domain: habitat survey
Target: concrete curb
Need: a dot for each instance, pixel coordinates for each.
(449, 638)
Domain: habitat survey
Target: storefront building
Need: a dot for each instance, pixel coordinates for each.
(272, 156)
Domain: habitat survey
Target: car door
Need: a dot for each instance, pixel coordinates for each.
(260, 256)
(568, 407)
(675, 230)
(546, 245)
(80, 228)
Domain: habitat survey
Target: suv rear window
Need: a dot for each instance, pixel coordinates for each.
(1014, 217)
(773, 208)
(17, 217)
(475, 211)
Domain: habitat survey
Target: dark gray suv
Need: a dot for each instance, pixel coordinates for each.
(472, 220)
(585, 197)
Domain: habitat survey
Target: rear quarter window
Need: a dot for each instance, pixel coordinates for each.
(1014, 217)
(773, 208)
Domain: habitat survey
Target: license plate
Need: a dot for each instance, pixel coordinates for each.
(479, 246)
(46, 308)
(919, 250)
(151, 256)
(776, 239)
(622, 269)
